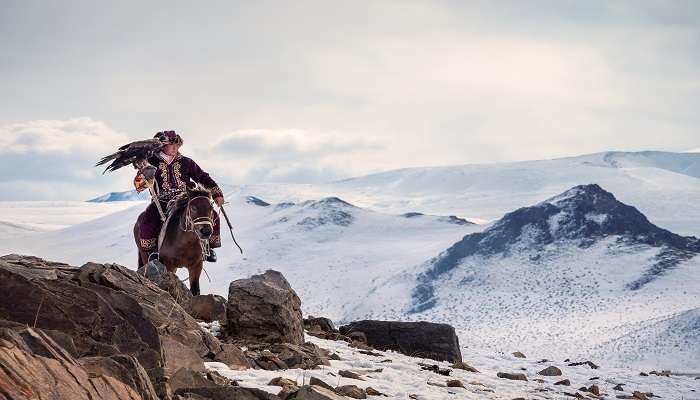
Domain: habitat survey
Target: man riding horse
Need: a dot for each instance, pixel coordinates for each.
(174, 174)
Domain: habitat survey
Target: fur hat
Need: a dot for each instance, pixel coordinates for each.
(169, 137)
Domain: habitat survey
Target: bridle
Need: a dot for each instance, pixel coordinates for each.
(192, 223)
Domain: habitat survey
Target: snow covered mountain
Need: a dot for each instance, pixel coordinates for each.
(129, 195)
(663, 186)
(576, 274)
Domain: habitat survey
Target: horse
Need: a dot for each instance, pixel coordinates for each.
(187, 229)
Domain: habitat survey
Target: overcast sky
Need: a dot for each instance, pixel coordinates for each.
(305, 91)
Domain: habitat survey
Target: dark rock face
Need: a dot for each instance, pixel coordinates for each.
(420, 339)
(582, 215)
(107, 310)
(264, 308)
(123, 368)
(32, 365)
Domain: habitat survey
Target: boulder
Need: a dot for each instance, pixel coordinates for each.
(209, 307)
(550, 371)
(33, 366)
(264, 308)
(419, 339)
(106, 310)
(318, 382)
(322, 324)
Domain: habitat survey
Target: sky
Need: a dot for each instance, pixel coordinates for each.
(314, 91)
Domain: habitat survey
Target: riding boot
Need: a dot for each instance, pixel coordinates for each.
(212, 256)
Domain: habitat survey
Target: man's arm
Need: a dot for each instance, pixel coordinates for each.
(198, 175)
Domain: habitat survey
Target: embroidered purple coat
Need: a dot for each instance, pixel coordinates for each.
(172, 179)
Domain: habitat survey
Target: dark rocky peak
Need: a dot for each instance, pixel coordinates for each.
(581, 216)
(330, 202)
(256, 201)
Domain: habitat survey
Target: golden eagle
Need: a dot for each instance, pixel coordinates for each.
(135, 153)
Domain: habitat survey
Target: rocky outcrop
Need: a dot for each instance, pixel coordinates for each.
(34, 366)
(106, 310)
(420, 339)
(264, 308)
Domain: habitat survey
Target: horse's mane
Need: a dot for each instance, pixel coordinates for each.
(181, 200)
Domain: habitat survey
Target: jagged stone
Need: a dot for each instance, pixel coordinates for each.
(208, 308)
(264, 308)
(564, 382)
(232, 356)
(312, 392)
(323, 324)
(350, 375)
(107, 310)
(420, 339)
(124, 368)
(318, 382)
(32, 365)
(185, 379)
(228, 393)
(518, 354)
(351, 391)
(464, 366)
(454, 383)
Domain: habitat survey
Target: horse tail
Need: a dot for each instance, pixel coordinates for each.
(140, 261)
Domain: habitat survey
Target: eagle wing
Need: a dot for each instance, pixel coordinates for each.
(132, 153)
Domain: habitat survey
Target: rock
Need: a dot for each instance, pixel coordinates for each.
(323, 324)
(435, 368)
(350, 374)
(564, 382)
(351, 391)
(590, 364)
(283, 382)
(519, 354)
(420, 339)
(208, 308)
(594, 378)
(464, 366)
(357, 337)
(265, 360)
(594, 389)
(306, 356)
(618, 387)
(226, 393)
(373, 392)
(264, 308)
(170, 283)
(538, 380)
(232, 356)
(107, 310)
(454, 383)
(123, 368)
(643, 374)
(639, 395)
(310, 392)
(219, 379)
(550, 371)
(318, 382)
(186, 379)
(516, 377)
(32, 365)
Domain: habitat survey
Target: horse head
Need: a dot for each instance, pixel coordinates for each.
(200, 212)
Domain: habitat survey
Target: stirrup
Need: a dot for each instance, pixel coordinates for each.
(211, 257)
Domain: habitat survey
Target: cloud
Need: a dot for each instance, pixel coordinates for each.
(54, 159)
(287, 155)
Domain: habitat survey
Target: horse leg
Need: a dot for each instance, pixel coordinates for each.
(194, 273)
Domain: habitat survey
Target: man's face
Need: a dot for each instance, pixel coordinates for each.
(171, 149)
